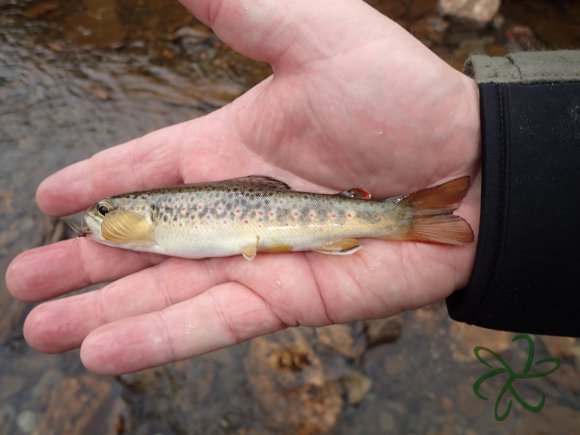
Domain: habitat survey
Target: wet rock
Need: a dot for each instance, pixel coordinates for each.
(288, 380)
(11, 384)
(576, 353)
(464, 338)
(343, 339)
(430, 29)
(384, 330)
(97, 24)
(567, 378)
(39, 9)
(396, 365)
(97, 91)
(419, 8)
(467, 404)
(50, 378)
(496, 49)
(6, 420)
(11, 311)
(384, 416)
(551, 419)
(77, 405)
(520, 38)
(559, 347)
(194, 32)
(446, 403)
(393, 10)
(357, 386)
(475, 11)
(6, 202)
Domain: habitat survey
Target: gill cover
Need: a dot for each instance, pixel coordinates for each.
(127, 227)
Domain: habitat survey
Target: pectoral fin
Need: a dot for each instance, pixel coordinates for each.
(340, 247)
(127, 227)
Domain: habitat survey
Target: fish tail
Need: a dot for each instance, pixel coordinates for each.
(433, 219)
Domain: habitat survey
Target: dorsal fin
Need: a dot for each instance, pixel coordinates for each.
(440, 199)
(357, 193)
(260, 181)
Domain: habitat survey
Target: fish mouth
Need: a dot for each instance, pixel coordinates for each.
(78, 225)
(90, 226)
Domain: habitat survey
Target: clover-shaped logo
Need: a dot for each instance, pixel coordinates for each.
(513, 376)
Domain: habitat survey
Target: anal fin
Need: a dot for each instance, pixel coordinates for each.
(340, 247)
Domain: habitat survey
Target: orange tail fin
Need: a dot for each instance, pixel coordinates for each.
(434, 221)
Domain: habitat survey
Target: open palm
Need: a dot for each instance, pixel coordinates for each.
(354, 101)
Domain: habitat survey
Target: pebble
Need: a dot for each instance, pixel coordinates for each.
(357, 386)
(289, 381)
(384, 330)
(475, 11)
(560, 347)
(341, 338)
(27, 421)
(466, 337)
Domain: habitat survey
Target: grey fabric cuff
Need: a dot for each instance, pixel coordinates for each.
(526, 67)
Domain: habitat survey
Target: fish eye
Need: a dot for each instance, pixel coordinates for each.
(103, 209)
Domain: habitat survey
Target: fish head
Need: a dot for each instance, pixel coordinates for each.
(120, 221)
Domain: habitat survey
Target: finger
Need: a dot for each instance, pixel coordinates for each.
(232, 312)
(289, 35)
(221, 316)
(313, 289)
(52, 270)
(61, 325)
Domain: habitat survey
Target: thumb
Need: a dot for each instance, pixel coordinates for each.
(290, 34)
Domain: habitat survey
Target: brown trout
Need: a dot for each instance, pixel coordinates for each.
(261, 214)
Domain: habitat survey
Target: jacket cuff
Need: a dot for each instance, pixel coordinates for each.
(526, 276)
(525, 67)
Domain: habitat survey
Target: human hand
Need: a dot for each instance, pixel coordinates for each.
(354, 101)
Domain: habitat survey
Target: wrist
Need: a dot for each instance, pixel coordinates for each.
(471, 123)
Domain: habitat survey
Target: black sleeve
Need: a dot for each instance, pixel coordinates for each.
(526, 276)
